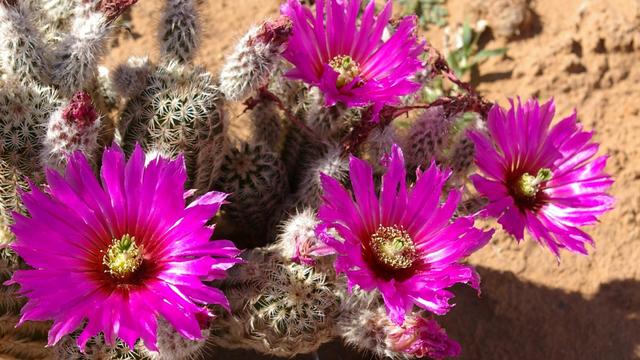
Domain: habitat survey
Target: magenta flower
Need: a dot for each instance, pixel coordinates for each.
(420, 337)
(112, 256)
(540, 177)
(403, 243)
(350, 63)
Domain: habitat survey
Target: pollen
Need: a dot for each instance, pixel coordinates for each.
(123, 258)
(393, 247)
(529, 185)
(346, 67)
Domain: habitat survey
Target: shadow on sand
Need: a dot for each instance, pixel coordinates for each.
(515, 319)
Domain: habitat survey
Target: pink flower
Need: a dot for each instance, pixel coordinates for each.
(350, 63)
(404, 242)
(112, 256)
(420, 337)
(541, 177)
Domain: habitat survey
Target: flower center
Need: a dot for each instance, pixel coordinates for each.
(529, 185)
(346, 67)
(393, 247)
(123, 257)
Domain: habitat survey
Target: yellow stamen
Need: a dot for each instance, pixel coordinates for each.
(393, 247)
(346, 67)
(529, 185)
(123, 257)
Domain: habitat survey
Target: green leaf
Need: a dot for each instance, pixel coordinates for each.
(467, 35)
(487, 53)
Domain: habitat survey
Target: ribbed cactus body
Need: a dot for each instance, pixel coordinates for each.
(24, 110)
(461, 158)
(179, 111)
(427, 138)
(378, 146)
(330, 161)
(129, 79)
(28, 340)
(23, 54)
(53, 17)
(173, 346)
(266, 124)
(256, 178)
(278, 308)
(67, 349)
(76, 56)
(179, 30)
(25, 342)
(329, 122)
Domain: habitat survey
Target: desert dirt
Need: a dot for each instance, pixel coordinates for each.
(585, 55)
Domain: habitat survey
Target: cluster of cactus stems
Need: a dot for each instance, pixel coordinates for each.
(286, 298)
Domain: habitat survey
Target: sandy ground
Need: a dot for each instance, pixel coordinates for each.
(584, 54)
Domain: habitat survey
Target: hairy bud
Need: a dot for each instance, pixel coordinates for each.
(297, 239)
(254, 59)
(112, 9)
(74, 127)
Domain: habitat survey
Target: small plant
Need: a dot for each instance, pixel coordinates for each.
(462, 50)
(429, 12)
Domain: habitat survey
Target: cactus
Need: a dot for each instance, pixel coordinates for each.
(76, 56)
(297, 240)
(254, 59)
(266, 124)
(179, 45)
(278, 308)
(24, 110)
(287, 298)
(67, 349)
(23, 54)
(172, 346)
(52, 17)
(332, 162)
(256, 178)
(364, 324)
(179, 111)
(129, 79)
(72, 128)
(378, 145)
(427, 138)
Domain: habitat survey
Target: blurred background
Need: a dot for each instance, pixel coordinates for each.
(583, 53)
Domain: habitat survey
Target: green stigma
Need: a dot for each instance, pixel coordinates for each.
(393, 247)
(529, 185)
(346, 67)
(123, 257)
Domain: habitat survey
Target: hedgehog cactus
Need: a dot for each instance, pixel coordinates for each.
(256, 178)
(23, 54)
(278, 308)
(179, 30)
(179, 111)
(427, 138)
(345, 231)
(172, 346)
(24, 112)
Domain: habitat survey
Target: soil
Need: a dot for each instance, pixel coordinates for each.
(584, 54)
